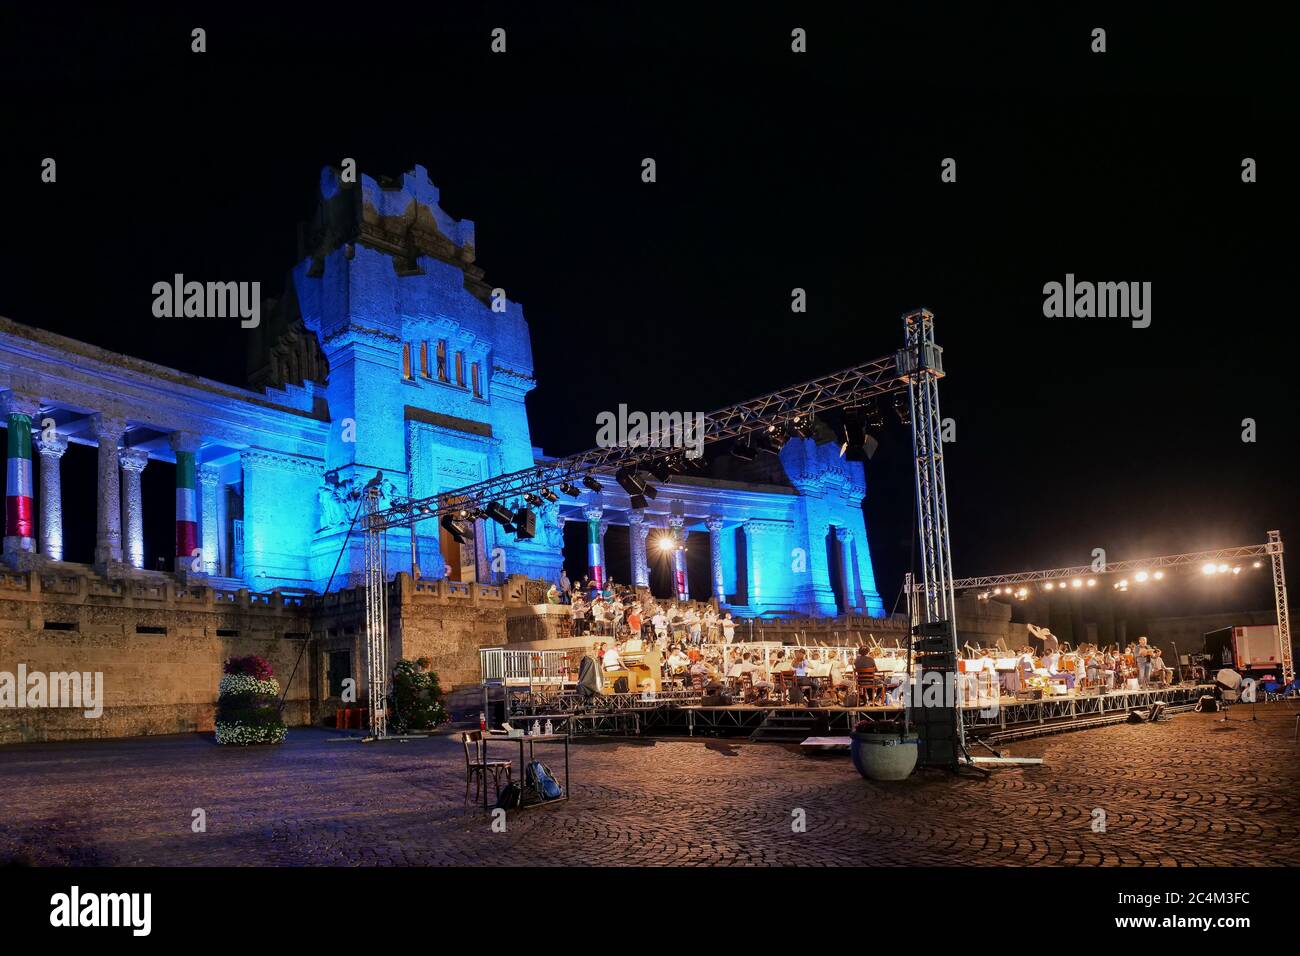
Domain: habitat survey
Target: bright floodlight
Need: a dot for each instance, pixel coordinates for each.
(1207, 569)
(1076, 583)
(665, 543)
(1123, 583)
(1236, 570)
(1258, 564)
(1158, 575)
(1223, 569)
(1092, 582)
(1140, 576)
(1048, 586)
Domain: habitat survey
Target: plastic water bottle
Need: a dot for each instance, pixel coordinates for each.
(549, 729)
(535, 730)
(482, 720)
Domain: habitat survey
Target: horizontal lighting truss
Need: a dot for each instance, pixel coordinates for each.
(849, 386)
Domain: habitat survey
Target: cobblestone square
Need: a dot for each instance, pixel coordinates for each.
(1191, 791)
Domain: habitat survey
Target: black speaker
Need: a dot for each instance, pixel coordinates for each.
(525, 524)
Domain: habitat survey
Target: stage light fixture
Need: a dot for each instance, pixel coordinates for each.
(902, 407)
(1236, 570)
(853, 436)
(1092, 582)
(479, 514)
(550, 496)
(661, 468)
(570, 489)
(651, 491)
(665, 543)
(997, 590)
(872, 416)
(772, 439)
(803, 426)
(1048, 586)
(591, 482)
(1076, 583)
(500, 514)
(1258, 564)
(743, 448)
(1140, 576)
(533, 500)
(525, 524)
(425, 509)
(1222, 569)
(629, 481)
(637, 501)
(1158, 575)
(1207, 568)
(459, 530)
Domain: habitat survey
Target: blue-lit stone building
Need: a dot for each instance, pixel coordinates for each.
(388, 351)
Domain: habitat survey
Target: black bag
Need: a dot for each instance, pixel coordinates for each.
(1207, 705)
(620, 685)
(512, 797)
(542, 781)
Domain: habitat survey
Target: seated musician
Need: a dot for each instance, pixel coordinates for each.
(611, 659)
(864, 661)
(1160, 671)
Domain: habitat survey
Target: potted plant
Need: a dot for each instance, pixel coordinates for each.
(248, 709)
(883, 750)
(417, 697)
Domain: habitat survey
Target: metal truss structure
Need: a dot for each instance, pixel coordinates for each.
(376, 594)
(1272, 550)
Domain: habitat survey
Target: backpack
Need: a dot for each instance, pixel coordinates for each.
(539, 777)
(1207, 705)
(511, 797)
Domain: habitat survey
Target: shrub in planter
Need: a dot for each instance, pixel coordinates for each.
(248, 703)
(416, 697)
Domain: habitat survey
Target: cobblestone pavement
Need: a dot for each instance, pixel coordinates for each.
(1187, 792)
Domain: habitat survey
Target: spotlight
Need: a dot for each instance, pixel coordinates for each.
(1159, 575)
(570, 489)
(1122, 584)
(743, 448)
(425, 509)
(997, 590)
(902, 408)
(550, 496)
(1092, 582)
(661, 468)
(1236, 570)
(1076, 583)
(873, 416)
(629, 481)
(853, 437)
(525, 524)
(772, 439)
(638, 501)
(803, 426)
(1258, 564)
(1048, 586)
(459, 530)
(591, 482)
(479, 514)
(1222, 569)
(651, 491)
(1207, 568)
(533, 500)
(500, 514)
(1140, 576)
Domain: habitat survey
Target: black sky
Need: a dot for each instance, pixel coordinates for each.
(819, 171)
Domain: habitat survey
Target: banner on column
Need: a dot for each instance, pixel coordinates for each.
(18, 487)
(187, 512)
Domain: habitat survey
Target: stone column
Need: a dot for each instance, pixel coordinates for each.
(51, 451)
(20, 528)
(133, 461)
(714, 524)
(637, 532)
(604, 555)
(681, 588)
(845, 538)
(186, 447)
(108, 432)
(209, 485)
(595, 560)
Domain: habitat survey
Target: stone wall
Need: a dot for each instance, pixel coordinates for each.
(160, 643)
(160, 647)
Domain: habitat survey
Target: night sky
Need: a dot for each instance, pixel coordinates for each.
(775, 171)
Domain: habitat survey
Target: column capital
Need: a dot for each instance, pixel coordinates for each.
(133, 459)
(20, 403)
(843, 534)
(52, 447)
(208, 476)
(713, 523)
(636, 517)
(593, 513)
(676, 522)
(107, 428)
(185, 441)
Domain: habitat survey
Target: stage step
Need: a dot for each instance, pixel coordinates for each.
(785, 727)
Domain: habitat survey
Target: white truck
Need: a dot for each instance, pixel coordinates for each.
(1254, 651)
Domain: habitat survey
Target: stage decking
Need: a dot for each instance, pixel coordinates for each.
(630, 715)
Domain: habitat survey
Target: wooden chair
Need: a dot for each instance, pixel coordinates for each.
(477, 766)
(871, 687)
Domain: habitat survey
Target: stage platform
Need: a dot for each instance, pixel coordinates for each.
(632, 715)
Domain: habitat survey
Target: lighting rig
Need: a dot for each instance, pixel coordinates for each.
(910, 375)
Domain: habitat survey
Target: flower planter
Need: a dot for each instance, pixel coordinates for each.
(883, 756)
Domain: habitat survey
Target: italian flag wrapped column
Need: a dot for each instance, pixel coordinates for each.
(187, 511)
(19, 527)
(594, 564)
